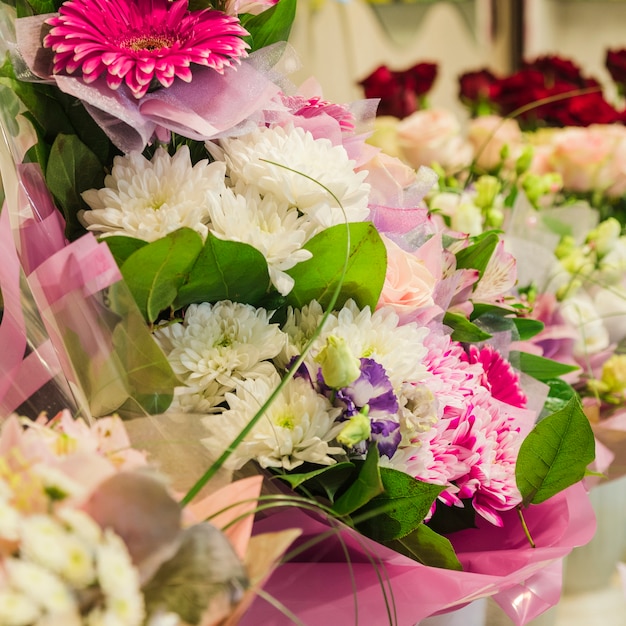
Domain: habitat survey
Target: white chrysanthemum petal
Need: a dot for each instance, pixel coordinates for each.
(40, 586)
(10, 521)
(16, 609)
(398, 348)
(276, 230)
(297, 427)
(216, 347)
(316, 167)
(149, 199)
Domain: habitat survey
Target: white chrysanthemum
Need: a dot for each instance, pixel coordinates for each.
(418, 409)
(274, 229)
(10, 521)
(296, 428)
(315, 164)
(40, 586)
(16, 609)
(43, 542)
(218, 346)
(149, 199)
(398, 348)
(53, 479)
(119, 581)
(80, 524)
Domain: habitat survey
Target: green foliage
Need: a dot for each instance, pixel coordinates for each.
(155, 272)
(400, 509)
(541, 368)
(426, 546)
(270, 26)
(555, 454)
(318, 277)
(463, 329)
(477, 255)
(225, 270)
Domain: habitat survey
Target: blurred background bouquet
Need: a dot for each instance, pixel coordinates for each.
(257, 291)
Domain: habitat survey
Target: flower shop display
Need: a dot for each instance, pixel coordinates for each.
(261, 273)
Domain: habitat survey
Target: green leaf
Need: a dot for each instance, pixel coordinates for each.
(155, 272)
(122, 247)
(318, 277)
(541, 368)
(270, 26)
(150, 380)
(425, 546)
(555, 454)
(477, 255)
(72, 169)
(482, 308)
(326, 480)
(559, 395)
(463, 329)
(527, 328)
(367, 486)
(399, 510)
(225, 270)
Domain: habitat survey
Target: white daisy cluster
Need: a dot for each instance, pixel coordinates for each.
(273, 189)
(231, 358)
(61, 568)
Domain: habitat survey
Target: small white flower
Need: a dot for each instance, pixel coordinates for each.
(116, 573)
(40, 586)
(580, 312)
(43, 542)
(54, 479)
(297, 427)
(10, 521)
(149, 199)
(219, 345)
(273, 228)
(81, 524)
(16, 609)
(314, 164)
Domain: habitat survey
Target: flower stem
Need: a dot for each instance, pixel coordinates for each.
(525, 527)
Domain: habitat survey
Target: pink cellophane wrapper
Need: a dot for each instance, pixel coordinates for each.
(344, 577)
(96, 337)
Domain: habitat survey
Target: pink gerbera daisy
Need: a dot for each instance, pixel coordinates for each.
(141, 42)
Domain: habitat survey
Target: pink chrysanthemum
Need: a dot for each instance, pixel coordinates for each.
(141, 42)
(499, 378)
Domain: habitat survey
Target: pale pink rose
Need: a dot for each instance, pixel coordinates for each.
(434, 136)
(581, 155)
(389, 178)
(385, 135)
(488, 135)
(612, 179)
(409, 285)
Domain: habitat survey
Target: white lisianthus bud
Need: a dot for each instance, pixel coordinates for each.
(356, 429)
(339, 366)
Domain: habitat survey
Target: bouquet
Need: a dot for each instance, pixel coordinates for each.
(261, 277)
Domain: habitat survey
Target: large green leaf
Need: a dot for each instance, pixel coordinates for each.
(477, 255)
(72, 169)
(555, 454)
(427, 547)
(400, 509)
(226, 270)
(270, 26)
(154, 273)
(367, 485)
(541, 368)
(527, 328)
(463, 329)
(122, 247)
(150, 380)
(317, 278)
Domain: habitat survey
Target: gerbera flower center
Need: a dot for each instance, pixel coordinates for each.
(147, 42)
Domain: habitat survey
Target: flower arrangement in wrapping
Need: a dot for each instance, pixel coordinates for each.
(303, 305)
(92, 535)
(541, 160)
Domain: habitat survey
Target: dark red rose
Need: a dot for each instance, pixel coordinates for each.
(477, 89)
(616, 65)
(584, 110)
(555, 68)
(399, 91)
